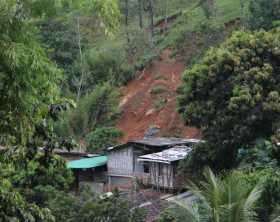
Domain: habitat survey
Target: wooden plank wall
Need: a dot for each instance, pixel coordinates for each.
(121, 161)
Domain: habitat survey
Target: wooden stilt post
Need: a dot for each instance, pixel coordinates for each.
(77, 180)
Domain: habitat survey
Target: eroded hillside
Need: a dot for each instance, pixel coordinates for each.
(150, 101)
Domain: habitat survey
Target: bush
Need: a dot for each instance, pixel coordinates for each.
(173, 214)
(113, 209)
(102, 138)
(159, 104)
(158, 89)
(145, 60)
(125, 74)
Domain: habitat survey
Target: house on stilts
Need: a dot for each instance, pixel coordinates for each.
(129, 162)
(163, 167)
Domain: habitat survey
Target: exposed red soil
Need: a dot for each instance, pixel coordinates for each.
(141, 109)
(165, 22)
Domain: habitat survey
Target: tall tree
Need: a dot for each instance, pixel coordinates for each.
(233, 94)
(28, 78)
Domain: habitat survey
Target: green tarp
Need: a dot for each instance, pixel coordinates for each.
(87, 162)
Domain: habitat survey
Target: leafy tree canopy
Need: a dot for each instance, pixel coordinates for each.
(13, 206)
(233, 94)
(102, 137)
(28, 78)
(98, 108)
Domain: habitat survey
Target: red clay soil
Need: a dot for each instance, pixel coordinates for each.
(142, 109)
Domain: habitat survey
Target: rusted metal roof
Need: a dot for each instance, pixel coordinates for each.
(158, 142)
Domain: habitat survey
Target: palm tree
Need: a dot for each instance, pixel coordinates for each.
(275, 215)
(228, 199)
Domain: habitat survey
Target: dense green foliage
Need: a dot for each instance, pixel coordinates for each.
(261, 164)
(233, 94)
(102, 138)
(95, 109)
(108, 65)
(264, 14)
(88, 207)
(13, 207)
(113, 209)
(32, 182)
(231, 198)
(28, 78)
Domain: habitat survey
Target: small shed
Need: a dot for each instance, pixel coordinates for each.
(163, 166)
(90, 171)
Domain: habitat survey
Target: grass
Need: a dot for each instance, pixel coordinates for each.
(159, 76)
(191, 20)
(158, 89)
(159, 104)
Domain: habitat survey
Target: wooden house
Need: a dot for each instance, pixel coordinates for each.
(163, 166)
(123, 165)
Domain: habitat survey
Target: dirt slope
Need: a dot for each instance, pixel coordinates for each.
(143, 106)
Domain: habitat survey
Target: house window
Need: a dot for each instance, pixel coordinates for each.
(146, 168)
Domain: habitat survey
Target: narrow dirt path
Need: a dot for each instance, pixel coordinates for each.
(143, 107)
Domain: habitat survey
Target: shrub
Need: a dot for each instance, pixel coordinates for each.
(102, 138)
(125, 74)
(173, 214)
(159, 104)
(158, 89)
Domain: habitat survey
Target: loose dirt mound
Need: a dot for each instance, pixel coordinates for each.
(150, 100)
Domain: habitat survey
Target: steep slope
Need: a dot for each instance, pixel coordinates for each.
(150, 100)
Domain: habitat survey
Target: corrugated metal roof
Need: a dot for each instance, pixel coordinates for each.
(158, 142)
(167, 156)
(162, 141)
(87, 162)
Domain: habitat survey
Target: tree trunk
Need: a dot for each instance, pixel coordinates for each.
(126, 12)
(151, 11)
(126, 20)
(242, 6)
(140, 8)
(80, 85)
(166, 11)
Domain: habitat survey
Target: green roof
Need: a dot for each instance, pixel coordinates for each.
(87, 162)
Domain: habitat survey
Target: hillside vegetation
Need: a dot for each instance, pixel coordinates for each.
(88, 74)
